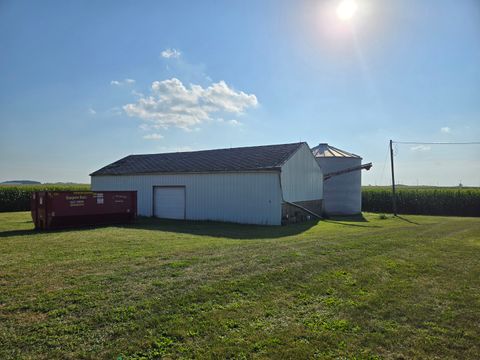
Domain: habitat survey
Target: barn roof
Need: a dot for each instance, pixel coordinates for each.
(254, 158)
(325, 150)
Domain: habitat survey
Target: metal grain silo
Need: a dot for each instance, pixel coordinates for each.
(342, 193)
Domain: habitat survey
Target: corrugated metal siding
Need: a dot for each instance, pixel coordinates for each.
(302, 178)
(342, 193)
(251, 198)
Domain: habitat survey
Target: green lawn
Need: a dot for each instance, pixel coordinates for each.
(366, 289)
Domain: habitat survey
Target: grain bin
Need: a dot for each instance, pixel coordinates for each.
(342, 193)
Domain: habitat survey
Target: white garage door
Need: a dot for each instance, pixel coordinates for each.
(169, 202)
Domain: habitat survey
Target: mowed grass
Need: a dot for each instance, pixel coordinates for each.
(352, 288)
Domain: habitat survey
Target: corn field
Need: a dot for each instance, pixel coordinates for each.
(411, 200)
(17, 197)
(425, 201)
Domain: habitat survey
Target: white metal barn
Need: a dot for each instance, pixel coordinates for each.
(254, 185)
(342, 193)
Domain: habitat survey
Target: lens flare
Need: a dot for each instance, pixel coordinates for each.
(346, 9)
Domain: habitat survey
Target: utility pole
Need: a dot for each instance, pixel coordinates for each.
(394, 196)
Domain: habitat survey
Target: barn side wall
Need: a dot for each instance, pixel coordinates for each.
(342, 193)
(302, 178)
(250, 198)
(293, 214)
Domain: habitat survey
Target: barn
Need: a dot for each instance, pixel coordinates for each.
(267, 185)
(342, 193)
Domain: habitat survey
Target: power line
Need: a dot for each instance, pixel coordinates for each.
(391, 142)
(436, 143)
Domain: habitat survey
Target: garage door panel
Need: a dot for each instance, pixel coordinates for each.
(169, 202)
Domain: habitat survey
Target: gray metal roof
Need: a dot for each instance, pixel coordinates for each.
(325, 150)
(254, 158)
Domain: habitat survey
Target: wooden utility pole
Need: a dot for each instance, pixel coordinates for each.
(394, 196)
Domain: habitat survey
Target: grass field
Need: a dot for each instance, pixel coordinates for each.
(359, 289)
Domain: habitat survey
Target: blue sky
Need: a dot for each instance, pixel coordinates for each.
(83, 83)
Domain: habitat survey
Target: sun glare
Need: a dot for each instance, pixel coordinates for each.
(346, 9)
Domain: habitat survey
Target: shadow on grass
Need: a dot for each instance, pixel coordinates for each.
(26, 232)
(407, 220)
(199, 228)
(350, 224)
(22, 232)
(223, 230)
(349, 220)
(354, 225)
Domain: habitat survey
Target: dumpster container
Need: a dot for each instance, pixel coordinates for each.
(61, 209)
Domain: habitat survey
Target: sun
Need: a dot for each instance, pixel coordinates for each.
(346, 9)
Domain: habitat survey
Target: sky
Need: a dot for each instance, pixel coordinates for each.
(84, 83)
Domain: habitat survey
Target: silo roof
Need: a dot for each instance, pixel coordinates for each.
(325, 150)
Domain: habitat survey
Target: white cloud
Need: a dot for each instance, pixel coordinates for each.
(116, 111)
(170, 103)
(170, 53)
(234, 122)
(92, 111)
(122, 82)
(445, 129)
(168, 149)
(136, 93)
(420, 148)
(154, 136)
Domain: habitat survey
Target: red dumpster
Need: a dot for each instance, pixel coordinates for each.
(59, 209)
